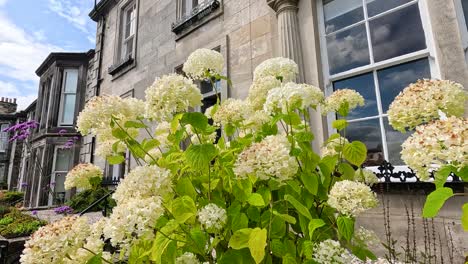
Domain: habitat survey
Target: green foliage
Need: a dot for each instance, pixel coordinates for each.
(84, 199)
(464, 218)
(355, 152)
(345, 227)
(10, 197)
(17, 224)
(435, 201)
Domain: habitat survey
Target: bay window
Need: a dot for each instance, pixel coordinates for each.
(376, 47)
(68, 97)
(62, 163)
(3, 138)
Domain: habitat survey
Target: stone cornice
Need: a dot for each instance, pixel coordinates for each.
(283, 5)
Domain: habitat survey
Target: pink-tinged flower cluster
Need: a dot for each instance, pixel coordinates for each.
(437, 143)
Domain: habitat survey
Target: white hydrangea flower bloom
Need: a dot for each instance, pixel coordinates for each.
(96, 116)
(54, 242)
(104, 148)
(171, 94)
(339, 97)
(421, 102)
(330, 252)
(201, 61)
(259, 90)
(366, 176)
(209, 112)
(212, 217)
(255, 121)
(143, 182)
(80, 175)
(367, 237)
(331, 146)
(187, 258)
(268, 158)
(153, 155)
(437, 143)
(232, 111)
(292, 96)
(351, 198)
(277, 67)
(134, 219)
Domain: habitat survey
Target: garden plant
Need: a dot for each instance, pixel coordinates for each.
(239, 183)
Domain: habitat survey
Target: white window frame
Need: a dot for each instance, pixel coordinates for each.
(373, 67)
(4, 138)
(54, 173)
(462, 25)
(63, 93)
(123, 53)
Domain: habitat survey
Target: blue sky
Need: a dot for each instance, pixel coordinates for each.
(29, 31)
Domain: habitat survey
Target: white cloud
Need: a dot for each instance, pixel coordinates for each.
(75, 12)
(20, 53)
(23, 97)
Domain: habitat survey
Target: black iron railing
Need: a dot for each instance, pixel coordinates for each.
(103, 200)
(198, 13)
(387, 173)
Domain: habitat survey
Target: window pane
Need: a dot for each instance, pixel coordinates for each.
(397, 33)
(59, 185)
(368, 132)
(348, 49)
(68, 108)
(63, 160)
(71, 80)
(364, 84)
(3, 138)
(205, 87)
(342, 13)
(375, 7)
(394, 79)
(394, 141)
(465, 11)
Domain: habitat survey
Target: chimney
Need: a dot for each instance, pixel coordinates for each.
(3, 98)
(14, 100)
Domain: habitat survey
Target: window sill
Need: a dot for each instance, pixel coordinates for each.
(199, 16)
(121, 67)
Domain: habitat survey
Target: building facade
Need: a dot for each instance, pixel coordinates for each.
(53, 147)
(376, 47)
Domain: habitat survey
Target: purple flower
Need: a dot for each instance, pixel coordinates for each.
(34, 212)
(62, 131)
(22, 130)
(24, 184)
(52, 183)
(63, 210)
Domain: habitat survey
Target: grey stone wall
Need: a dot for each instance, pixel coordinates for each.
(7, 105)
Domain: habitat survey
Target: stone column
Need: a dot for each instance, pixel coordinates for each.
(288, 31)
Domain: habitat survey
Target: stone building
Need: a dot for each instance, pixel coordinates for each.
(53, 148)
(377, 47)
(8, 153)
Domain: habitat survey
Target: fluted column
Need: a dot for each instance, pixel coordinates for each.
(288, 31)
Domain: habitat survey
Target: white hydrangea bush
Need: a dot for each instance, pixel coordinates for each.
(235, 184)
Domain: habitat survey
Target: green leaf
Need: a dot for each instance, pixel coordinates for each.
(256, 199)
(355, 152)
(183, 208)
(198, 238)
(229, 129)
(441, 175)
(257, 244)
(239, 221)
(277, 247)
(240, 238)
(340, 124)
(288, 259)
(435, 201)
(310, 182)
(96, 259)
(345, 227)
(299, 206)
(464, 218)
(347, 171)
(236, 256)
(462, 173)
(200, 156)
(151, 144)
(285, 217)
(184, 187)
(197, 120)
(115, 159)
(119, 133)
(134, 124)
(314, 224)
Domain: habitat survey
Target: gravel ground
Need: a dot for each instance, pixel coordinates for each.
(50, 216)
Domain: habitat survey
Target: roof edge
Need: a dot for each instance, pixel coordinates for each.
(54, 56)
(98, 9)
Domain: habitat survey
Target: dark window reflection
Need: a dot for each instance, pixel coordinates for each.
(394, 141)
(342, 13)
(364, 84)
(397, 33)
(375, 7)
(465, 11)
(394, 79)
(368, 132)
(348, 49)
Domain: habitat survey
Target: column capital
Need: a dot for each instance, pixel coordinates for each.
(282, 5)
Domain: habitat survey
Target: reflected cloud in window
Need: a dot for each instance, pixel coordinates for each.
(375, 7)
(340, 14)
(394, 141)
